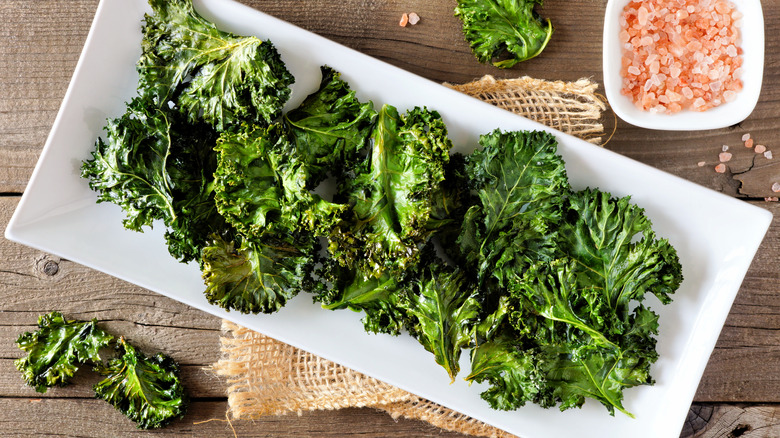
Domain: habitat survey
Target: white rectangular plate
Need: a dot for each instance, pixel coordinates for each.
(716, 236)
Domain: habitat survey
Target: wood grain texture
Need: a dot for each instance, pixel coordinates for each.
(39, 48)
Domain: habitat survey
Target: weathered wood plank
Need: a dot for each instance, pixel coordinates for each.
(96, 418)
(39, 45)
(719, 421)
(199, 381)
(43, 43)
(751, 333)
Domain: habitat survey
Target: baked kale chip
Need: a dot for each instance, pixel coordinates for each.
(208, 74)
(57, 348)
(156, 165)
(147, 390)
(258, 276)
(504, 32)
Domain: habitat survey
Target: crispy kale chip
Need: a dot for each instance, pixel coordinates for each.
(397, 202)
(259, 276)
(377, 296)
(330, 128)
(602, 237)
(262, 185)
(577, 323)
(520, 181)
(157, 166)
(504, 32)
(210, 75)
(393, 193)
(147, 390)
(513, 371)
(57, 348)
(445, 309)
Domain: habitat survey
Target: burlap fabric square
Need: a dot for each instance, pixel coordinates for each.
(268, 377)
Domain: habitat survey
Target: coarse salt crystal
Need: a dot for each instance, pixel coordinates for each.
(720, 168)
(724, 156)
(745, 137)
(413, 18)
(693, 42)
(760, 149)
(776, 187)
(749, 143)
(702, 163)
(725, 148)
(768, 155)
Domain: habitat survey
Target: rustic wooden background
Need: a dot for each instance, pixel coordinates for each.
(40, 42)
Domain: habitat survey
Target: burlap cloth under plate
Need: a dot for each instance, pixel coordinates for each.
(268, 377)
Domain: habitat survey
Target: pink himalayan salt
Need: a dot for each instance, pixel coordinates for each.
(760, 149)
(720, 168)
(724, 156)
(776, 187)
(680, 54)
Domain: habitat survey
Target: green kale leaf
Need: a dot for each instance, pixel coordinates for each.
(445, 308)
(513, 371)
(210, 75)
(582, 313)
(504, 32)
(147, 390)
(330, 128)
(262, 186)
(56, 349)
(377, 296)
(157, 166)
(520, 182)
(259, 276)
(602, 238)
(393, 193)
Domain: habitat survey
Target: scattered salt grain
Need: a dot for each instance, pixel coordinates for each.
(768, 155)
(772, 199)
(413, 18)
(776, 187)
(720, 168)
(760, 149)
(745, 137)
(404, 20)
(725, 148)
(749, 143)
(724, 157)
(702, 163)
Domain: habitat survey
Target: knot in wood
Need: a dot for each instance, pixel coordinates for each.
(47, 265)
(51, 268)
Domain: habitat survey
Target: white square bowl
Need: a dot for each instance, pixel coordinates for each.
(727, 114)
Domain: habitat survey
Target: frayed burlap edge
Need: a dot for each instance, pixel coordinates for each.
(268, 377)
(571, 107)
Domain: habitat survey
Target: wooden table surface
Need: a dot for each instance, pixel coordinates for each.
(40, 43)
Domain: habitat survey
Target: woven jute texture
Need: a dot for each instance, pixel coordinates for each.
(571, 107)
(268, 377)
